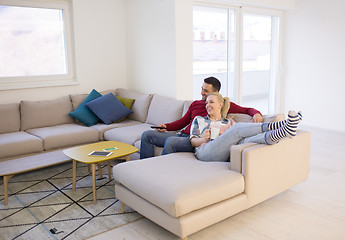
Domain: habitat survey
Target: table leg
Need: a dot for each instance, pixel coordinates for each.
(127, 158)
(6, 178)
(100, 170)
(122, 207)
(109, 170)
(74, 174)
(94, 182)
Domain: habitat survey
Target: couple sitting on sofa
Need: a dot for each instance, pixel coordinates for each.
(196, 133)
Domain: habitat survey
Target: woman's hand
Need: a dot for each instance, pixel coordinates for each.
(207, 134)
(201, 145)
(199, 141)
(223, 129)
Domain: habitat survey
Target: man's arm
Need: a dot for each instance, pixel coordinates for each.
(182, 122)
(257, 116)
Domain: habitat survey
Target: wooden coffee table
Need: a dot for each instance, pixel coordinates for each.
(13, 167)
(80, 154)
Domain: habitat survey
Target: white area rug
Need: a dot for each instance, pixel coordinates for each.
(42, 205)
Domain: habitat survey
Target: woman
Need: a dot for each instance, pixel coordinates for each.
(231, 133)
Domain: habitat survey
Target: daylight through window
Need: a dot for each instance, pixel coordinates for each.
(240, 47)
(35, 46)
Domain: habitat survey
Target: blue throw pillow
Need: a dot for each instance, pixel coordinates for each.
(108, 108)
(83, 113)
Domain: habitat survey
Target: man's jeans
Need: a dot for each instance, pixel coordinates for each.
(219, 149)
(172, 142)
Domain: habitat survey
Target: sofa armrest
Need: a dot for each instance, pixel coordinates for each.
(241, 117)
(274, 117)
(271, 169)
(236, 156)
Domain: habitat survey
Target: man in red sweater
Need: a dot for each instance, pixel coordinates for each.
(179, 142)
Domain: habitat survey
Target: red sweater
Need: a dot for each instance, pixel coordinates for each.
(198, 108)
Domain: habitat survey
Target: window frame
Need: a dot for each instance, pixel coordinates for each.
(275, 85)
(275, 79)
(20, 82)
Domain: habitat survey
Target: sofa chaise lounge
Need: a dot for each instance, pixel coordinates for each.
(185, 195)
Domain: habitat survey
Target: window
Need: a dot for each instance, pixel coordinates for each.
(210, 46)
(35, 44)
(240, 47)
(259, 61)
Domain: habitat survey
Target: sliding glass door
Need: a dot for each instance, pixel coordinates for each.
(240, 47)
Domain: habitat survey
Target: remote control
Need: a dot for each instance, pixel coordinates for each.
(158, 127)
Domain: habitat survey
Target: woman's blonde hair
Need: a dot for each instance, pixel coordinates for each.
(225, 101)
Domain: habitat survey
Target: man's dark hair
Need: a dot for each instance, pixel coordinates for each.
(214, 82)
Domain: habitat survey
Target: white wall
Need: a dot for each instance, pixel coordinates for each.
(100, 49)
(151, 46)
(314, 62)
(159, 49)
(184, 49)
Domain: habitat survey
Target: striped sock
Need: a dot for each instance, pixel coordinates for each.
(288, 130)
(280, 124)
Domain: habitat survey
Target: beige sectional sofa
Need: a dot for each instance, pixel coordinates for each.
(33, 134)
(30, 128)
(185, 195)
(176, 191)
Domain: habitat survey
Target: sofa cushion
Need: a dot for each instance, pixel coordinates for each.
(164, 110)
(77, 99)
(18, 143)
(101, 127)
(108, 108)
(83, 113)
(105, 92)
(10, 118)
(140, 105)
(36, 114)
(240, 117)
(186, 106)
(129, 134)
(127, 102)
(274, 117)
(65, 135)
(178, 183)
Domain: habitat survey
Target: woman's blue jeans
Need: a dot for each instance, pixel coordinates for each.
(219, 149)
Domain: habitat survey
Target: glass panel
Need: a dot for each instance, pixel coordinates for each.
(32, 42)
(257, 41)
(215, 46)
(210, 47)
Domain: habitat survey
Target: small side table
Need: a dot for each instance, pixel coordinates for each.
(80, 154)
